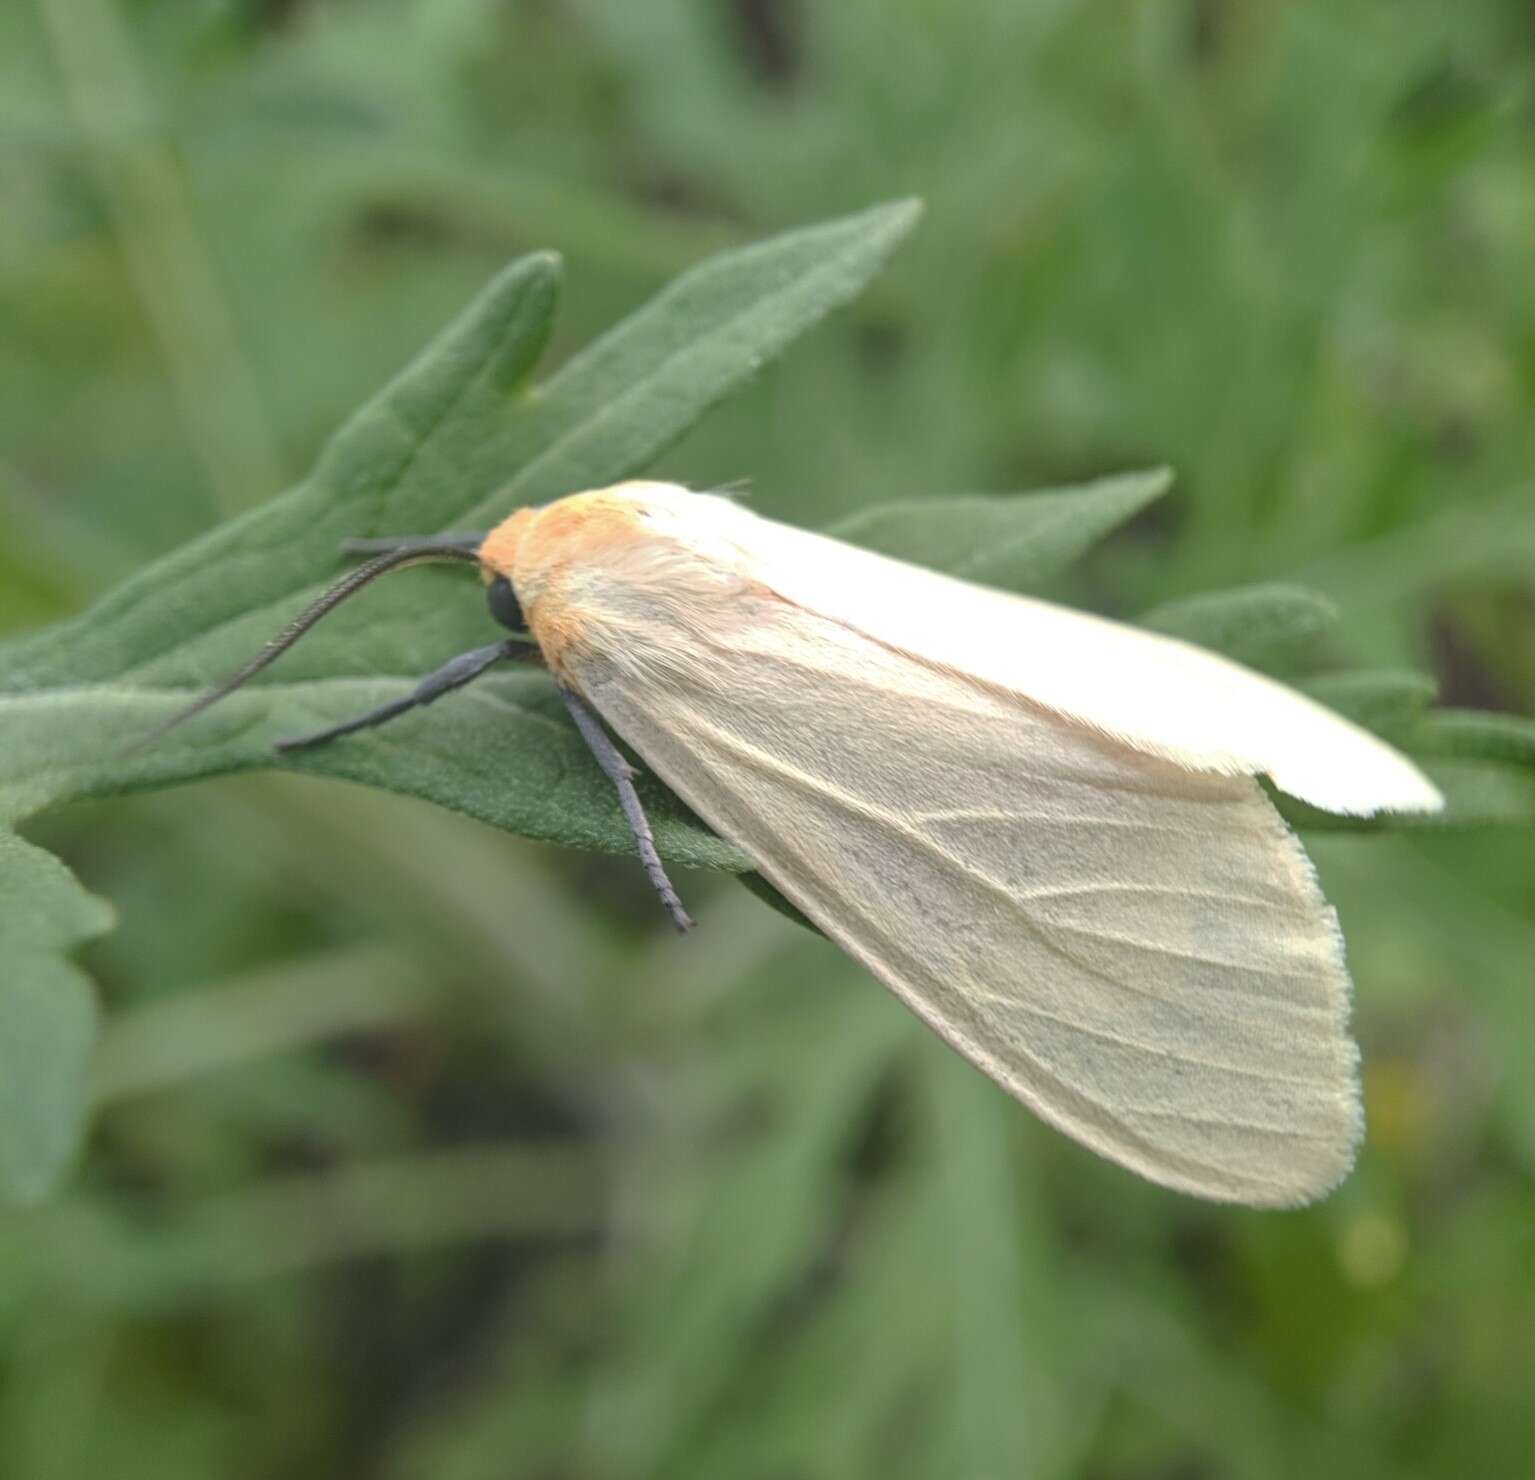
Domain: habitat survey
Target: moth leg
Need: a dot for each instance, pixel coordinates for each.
(388, 545)
(622, 775)
(452, 675)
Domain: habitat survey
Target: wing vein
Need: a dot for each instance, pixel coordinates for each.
(1103, 1034)
(1040, 929)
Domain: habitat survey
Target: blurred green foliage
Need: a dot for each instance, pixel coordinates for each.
(424, 1152)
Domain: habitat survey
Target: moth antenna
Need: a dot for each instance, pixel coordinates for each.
(350, 584)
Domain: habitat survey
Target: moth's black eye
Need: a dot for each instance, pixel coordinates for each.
(504, 606)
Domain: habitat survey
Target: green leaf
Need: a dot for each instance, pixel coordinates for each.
(1016, 541)
(457, 441)
(1275, 627)
(442, 422)
(1471, 734)
(47, 1017)
(770, 895)
(1479, 793)
(1388, 701)
(1484, 764)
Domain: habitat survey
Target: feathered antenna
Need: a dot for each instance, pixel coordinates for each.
(424, 552)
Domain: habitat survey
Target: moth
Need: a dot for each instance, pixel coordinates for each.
(1041, 829)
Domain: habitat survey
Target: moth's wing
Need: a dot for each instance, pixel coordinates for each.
(1159, 694)
(1138, 952)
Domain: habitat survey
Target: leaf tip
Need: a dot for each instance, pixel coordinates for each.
(900, 215)
(544, 263)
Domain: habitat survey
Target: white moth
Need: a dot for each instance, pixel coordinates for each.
(1040, 829)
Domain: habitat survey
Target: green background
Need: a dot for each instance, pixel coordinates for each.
(424, 1151)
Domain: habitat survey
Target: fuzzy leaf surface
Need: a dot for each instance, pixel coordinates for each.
(47, 1016)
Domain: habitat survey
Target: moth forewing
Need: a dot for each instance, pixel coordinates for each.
(1158, 694)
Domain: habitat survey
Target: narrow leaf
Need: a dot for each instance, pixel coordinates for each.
(1479, 735)
(1483, 794)
(411, 459)
(1275, 627)
(1484, 763)
(455, 442)
(1016, 541)
(634, 391)
(770, 895)
(47, 1017)
(1391, 702)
